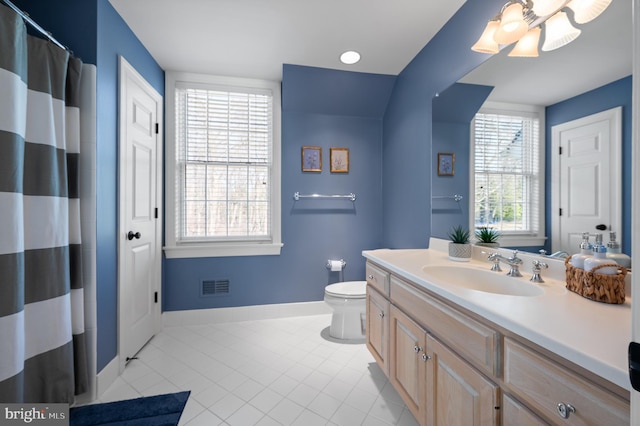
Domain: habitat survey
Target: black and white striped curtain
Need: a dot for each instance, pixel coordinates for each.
(42, 349)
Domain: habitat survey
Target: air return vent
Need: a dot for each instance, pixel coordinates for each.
(214, 287)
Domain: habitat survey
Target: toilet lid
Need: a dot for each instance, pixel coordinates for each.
(348, 289)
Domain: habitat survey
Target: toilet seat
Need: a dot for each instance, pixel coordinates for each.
(347, 290)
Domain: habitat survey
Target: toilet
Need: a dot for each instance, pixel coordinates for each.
(348, 301)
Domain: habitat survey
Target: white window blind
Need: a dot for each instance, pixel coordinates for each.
(224, 164)
(507, 193)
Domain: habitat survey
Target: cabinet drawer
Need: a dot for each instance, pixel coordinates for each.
(543, 384)
(378, 278)
(474, 341)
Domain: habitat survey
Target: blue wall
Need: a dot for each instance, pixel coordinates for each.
(453, 110)
(407, 148)
(325, 108)
(114, 38)
(601, 99)
(97, 34)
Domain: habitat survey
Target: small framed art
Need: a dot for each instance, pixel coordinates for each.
(446, 162)
(339, 160)
(311, 159)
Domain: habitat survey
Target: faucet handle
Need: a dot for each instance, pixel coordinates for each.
(514, 259)
(537, 265)
(537, 268)
(495, 258)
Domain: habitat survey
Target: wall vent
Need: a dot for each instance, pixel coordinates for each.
(214, 287)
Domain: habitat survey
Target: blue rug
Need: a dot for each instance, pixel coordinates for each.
(159, 410)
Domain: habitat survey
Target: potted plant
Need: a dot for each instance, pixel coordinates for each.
(459, 247)
(487, 237)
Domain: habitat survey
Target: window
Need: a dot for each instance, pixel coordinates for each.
(223, 170)
(507, 175)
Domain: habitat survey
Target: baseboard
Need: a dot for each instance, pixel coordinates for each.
(108, 375)
(243, 313)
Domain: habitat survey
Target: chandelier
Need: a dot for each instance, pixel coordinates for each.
(520, 22)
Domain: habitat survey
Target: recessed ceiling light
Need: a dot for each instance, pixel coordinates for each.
(350, 57)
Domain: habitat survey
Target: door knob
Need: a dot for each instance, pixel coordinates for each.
(131, 235)
(601, 227)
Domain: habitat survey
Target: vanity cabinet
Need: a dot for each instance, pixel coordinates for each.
(458, 393)
(407, 369)
(377, 330)
(555, 392)
(454, 367)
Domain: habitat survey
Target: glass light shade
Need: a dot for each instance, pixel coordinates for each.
(350, 57)
(527, 46)
(546, 7)
(486, 43)
(587, 10)
(559, 32)
(512, 25)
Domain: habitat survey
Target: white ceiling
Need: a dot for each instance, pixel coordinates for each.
(253, 38)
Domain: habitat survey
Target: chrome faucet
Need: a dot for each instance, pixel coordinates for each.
(537, 268)
(514, 263)
(559, 254)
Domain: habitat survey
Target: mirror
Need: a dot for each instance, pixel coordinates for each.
(600, 55)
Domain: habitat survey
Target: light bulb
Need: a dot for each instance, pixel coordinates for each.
(527, 46)
(512, 25)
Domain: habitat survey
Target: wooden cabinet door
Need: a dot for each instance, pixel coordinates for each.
(514, 414)
(457, 394)
(406, 362)
(378, 328)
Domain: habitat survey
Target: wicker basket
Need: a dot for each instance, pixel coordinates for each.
(599, 287)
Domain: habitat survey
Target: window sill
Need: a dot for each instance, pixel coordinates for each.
(521, 241)
(221, 250)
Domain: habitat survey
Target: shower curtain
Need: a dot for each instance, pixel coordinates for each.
(42, 349)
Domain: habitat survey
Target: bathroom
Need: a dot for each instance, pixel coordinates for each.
(383, 120)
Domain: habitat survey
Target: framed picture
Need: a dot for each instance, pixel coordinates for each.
(311, 159)
(339, 160)
(446, 162)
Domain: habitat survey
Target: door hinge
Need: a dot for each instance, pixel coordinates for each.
(157, 128)
(559, 149)
(560, 212)
(156, 213)
(155, 297)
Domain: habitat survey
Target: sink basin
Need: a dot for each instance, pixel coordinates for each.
(480, 280)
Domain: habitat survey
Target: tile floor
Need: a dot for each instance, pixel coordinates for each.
(265, 372)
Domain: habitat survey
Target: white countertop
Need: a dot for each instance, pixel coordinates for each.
(590, 334)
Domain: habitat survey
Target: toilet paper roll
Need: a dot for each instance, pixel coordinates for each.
(336, 265)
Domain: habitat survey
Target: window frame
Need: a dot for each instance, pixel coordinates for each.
(227, 247)
(514, 239)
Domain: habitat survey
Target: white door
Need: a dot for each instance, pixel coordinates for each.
(139, 237)
(586, 179)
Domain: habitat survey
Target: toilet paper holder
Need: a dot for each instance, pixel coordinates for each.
(332, 264)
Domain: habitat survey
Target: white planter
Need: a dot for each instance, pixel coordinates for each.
(460, 252)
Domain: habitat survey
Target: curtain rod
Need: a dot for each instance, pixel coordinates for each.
(34, 24)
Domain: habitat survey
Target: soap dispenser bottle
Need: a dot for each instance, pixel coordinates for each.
(614, 253)
(586, 251)
(600, 258)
